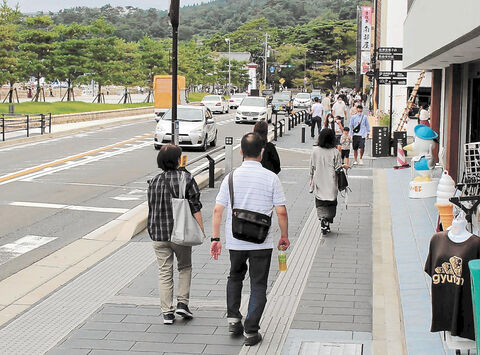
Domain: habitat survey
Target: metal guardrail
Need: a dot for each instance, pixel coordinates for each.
(16, 123)
(290, 121)
(209, 165)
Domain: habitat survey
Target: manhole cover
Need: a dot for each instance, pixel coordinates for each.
(314, 348)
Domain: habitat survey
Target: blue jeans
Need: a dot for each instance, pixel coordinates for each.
(259, 268)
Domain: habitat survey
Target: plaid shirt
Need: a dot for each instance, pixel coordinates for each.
(160, 213)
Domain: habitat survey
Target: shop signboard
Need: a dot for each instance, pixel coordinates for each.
(388, 56)
(380, 142)
(390, 50)
(392, 74)
(366, 38)
(392, 81)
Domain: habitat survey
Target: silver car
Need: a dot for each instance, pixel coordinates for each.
(216, 103)
(253, 109)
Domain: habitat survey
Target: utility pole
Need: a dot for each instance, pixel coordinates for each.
(174, 20)
(229, 66)
(265, 61)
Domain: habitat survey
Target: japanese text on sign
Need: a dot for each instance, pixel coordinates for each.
(366, 27)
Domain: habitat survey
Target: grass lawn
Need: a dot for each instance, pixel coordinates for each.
(196, 96)
(58, 108)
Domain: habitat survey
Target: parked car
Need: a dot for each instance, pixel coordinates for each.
(253, 109)
(197, 128)
(268, 94)
(302, 100)
(316, 93)
(282, 101)
(236, 99)
(216, 103)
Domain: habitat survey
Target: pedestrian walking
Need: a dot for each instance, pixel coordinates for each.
(359, 130)
(250, 194)
(270, 158)
(326, 103)
(316, 113)
(324, 162)
(335, 124)
(161, 189)
(340, 109)
(345, 141)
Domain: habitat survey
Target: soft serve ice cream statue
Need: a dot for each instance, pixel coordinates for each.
(423, 185)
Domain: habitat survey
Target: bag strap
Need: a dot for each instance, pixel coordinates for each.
(182, 186)
(230, 187)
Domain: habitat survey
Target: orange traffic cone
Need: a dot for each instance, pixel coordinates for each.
(401, 160)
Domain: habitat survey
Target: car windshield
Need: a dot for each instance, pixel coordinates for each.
(281, 97)
(303, 96)
(211, 98)
(185, 114)
(253, 101)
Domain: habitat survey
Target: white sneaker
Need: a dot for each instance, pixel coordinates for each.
(355, 162)
(360, 162)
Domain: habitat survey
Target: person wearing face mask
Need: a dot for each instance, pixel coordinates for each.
(340, 109)
(335, 124)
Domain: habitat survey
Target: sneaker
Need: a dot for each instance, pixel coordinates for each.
(360, 162)
(235, 328)
(182, 310)
(168, 318)
(252, 339)
(324, 225)
(328, 227)
(355, 162)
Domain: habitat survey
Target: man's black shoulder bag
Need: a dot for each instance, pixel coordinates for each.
(247, 225)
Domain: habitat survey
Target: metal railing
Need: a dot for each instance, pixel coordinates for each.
(16, 123)
(209, 165)
(288, 122)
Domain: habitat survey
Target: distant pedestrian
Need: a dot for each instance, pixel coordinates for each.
(345, 141)
(317, 114)
(324, 162)
(161, 189)
(340, 109)
(257, 191)
(270, 158)
(359, 130)
(424, 115)
(335, 124)
(326, 103)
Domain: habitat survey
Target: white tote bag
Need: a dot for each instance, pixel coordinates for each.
(186, 230)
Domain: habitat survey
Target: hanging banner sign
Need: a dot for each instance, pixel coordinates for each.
(366, 28)
(365, 60)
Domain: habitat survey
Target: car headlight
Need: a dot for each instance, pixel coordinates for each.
(239, 112)
(160, 128)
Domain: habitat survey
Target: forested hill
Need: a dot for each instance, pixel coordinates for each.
(206, 19)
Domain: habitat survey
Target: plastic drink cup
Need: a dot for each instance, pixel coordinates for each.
(282, 260)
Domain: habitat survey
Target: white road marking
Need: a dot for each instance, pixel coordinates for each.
(69, 207)
(359, 177)
(133, 195)
(22, 246)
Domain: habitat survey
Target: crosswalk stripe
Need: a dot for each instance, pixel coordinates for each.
(69, 207)
(22, 246)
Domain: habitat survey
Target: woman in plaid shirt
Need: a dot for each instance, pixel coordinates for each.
(160, 226)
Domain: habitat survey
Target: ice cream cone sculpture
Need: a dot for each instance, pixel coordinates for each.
(446, 189)
(446, 214)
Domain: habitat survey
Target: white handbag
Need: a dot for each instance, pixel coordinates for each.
(186, 230)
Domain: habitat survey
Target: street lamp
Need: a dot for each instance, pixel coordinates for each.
(229, 66)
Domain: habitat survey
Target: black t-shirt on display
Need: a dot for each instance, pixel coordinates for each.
(447, 265)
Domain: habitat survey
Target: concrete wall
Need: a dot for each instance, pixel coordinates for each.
(433, 24)
(101, 115)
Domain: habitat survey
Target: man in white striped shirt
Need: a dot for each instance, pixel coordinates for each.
(259, 190)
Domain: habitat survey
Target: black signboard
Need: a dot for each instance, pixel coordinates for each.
(394, 81)
(390, 50)
(389, 56)
(393, 74)
(380, 142)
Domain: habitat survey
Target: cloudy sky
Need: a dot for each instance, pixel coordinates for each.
(55, 5)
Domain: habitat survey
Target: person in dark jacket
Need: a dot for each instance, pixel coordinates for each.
(270, 159)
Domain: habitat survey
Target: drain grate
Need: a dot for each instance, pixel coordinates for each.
(315, 348)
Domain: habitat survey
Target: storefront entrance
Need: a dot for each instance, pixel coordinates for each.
(473, 123)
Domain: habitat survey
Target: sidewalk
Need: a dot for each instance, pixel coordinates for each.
(322, 303)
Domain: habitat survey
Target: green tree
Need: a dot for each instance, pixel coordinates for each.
(9, 46)
(103, 56)
(153, 61)
(128, 68)
(70, 55)
(37, 46)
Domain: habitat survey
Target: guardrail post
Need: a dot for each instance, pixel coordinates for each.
(289, 119)
(228, 154)
(28, 126)
(211, 171)
(297, 118)
(281, 128)
(275, 134)
(49, 122)
(303, 133)
(42, 123)
(3, 127)
(303, 115)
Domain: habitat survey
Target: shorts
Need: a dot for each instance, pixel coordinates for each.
(358, 142)
(337, 139)
(345, 153)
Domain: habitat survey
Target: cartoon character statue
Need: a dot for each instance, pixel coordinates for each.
(423, 184)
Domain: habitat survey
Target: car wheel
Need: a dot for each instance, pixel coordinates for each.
(214, 142)
(205, 144)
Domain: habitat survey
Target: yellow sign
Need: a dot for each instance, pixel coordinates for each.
(183, 161)
(282, 81)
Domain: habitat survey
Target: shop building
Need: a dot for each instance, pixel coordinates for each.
(444, 37)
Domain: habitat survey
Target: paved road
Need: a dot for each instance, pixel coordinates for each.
(58, 190)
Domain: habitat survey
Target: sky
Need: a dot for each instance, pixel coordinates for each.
(28, 6)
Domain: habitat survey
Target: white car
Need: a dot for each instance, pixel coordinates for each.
(196, 125)
(236, 99)
(302, 100)
(216, 103)
(253, 109)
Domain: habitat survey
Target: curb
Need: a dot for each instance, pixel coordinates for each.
(28, 286)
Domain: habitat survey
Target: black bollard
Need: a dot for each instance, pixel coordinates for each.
(303, 133)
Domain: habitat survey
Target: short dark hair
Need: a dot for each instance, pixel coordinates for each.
(346, 129)
(360, 107)
(315, 99)
(252, 144)
(261, 128)
(168, 156)
(326, 138)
